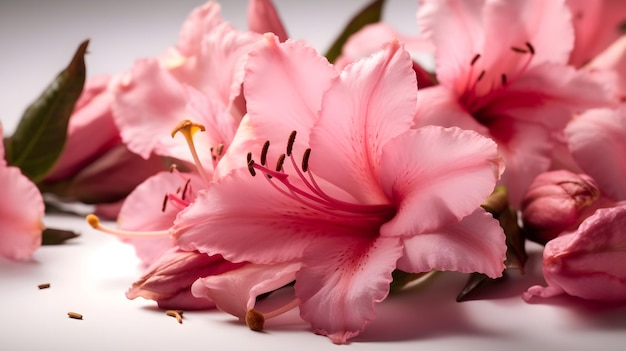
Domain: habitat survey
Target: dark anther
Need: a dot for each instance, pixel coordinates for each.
(251, 167)
(220, 150)
(481, 76)
(518, 50)
(503, 78)
(185, 188)
(305, 159)
(292, 139)
(249, 157)
(279, 162)
(266, 147)
(530, 48)
(476, 57)
(164, 205)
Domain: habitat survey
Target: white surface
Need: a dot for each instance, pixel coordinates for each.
(90, 274)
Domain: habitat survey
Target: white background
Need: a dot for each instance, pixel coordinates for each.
(91, 273)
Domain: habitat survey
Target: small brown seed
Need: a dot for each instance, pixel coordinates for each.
(178, 314)
(74, 315)
(43, 286)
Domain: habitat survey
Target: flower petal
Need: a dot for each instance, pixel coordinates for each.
(168, 280)
(235, 291)
(440, 175)
(299, 77)
(21, 214)
(372, 102)
(201, 20)
(474, 244)
(341, 281)
(144, 210)
(238, 212)
(455, 27)
(597, 140)
(263, 18)
(587, 262)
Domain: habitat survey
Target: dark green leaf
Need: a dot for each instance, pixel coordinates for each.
(51, 236)
(370, 14)
(40, 136)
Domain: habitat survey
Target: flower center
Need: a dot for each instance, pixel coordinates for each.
(306, 189)
(481, 87)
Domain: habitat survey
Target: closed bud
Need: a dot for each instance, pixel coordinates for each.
(554, 202)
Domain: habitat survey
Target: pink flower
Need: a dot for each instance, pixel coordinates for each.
(95, 166)
(554, 203)
(21, 212)
(369, 196)
(588, 262)
(168, 280)
(502, 68)
(199, 79)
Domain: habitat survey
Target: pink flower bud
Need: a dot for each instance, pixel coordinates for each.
(590, 262)
(554, 202)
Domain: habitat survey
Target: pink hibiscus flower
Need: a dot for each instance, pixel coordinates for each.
(21, 213)
(503, 73)
(369, 194)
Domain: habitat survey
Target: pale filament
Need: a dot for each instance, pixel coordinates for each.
(94, 222)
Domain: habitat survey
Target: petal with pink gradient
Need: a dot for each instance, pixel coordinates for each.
(144, 210)
(436, 176)
(588, 262)
(299, 76)
(474, 244)
(238, 213)
(263, 18)
(341, 281)
(148, 104)
(597, 141)
(21, 213)
(235, 291)
(596, 26)
(168, 280)
(355, 122)
(203, 19)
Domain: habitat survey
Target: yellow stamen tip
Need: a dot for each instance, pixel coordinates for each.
(255, 320)
(93, 221)
(187, 128)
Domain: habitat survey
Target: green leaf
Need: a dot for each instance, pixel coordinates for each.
(40, 135)
(52, 236)
(370, 14)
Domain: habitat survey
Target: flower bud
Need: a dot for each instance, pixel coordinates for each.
(590, 262)
(554, 203)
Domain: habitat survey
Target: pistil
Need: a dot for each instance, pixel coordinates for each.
(188, 129)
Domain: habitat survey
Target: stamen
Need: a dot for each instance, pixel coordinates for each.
(173, 168)
(305, 159)
(251, 167)
(185, 188)
(94, 222)
(220, 150)
(163, 207)
(292, 139)
(266, 147)
(519, 50)
(188, 129)
(255, 320)
(481, 76)
(530, 48)
(279, 162)
(476, 57)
